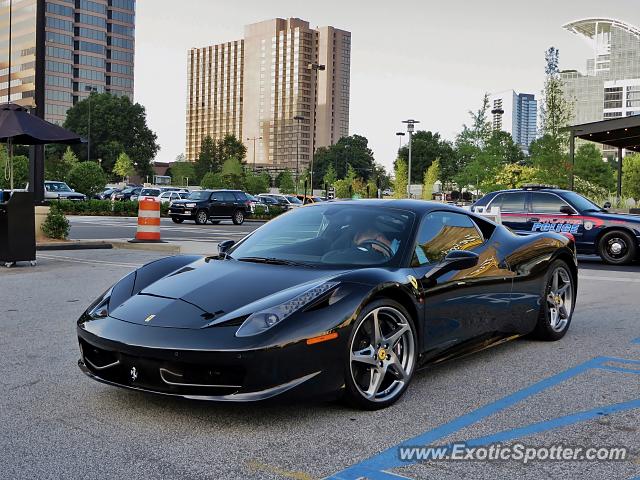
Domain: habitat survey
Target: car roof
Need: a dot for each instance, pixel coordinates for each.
(416, 206)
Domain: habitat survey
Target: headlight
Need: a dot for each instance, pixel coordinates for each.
(262, 321)
(190, 205)
(100, 308)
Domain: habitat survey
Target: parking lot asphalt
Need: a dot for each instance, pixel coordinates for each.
(55, 423)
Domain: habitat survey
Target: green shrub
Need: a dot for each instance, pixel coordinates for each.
(56, 224)
(87, 178)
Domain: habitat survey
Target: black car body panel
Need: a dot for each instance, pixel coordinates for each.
(587, 226)
(172, 326)
(218, 204)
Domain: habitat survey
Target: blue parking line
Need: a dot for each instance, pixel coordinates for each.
(376, 467)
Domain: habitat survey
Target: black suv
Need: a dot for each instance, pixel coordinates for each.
(213, 205)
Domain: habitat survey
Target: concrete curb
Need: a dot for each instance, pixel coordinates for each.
(153, 247)
(74, 245)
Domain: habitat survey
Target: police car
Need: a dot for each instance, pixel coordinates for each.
(538, 208)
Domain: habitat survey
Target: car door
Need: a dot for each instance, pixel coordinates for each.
(228, 204)
(460, 305)
(215, 204)
(546, 216)
(513, 210)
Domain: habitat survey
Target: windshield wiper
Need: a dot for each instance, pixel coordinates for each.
(273, 261)
(595, 210)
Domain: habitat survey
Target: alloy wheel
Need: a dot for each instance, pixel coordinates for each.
(382, 354)
(559, 299)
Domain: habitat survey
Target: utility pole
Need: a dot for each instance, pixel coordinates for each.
(410, 128)
(89, 89)
(314, 67)
(254, 150)
(298, 118)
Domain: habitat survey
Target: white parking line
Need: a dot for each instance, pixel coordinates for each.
(89, 262)
(609, 279)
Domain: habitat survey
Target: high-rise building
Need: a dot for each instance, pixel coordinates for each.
(284, 88)
(62, 50)
(515, 113)
(610, 87)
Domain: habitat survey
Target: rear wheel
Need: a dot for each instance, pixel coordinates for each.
(382, 356)
(201, 217)
(557, 304)
(177, 219)
(617, 247)
(238, 217)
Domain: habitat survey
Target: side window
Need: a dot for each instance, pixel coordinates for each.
(216, 196)
(546, 203)
(228, 197)
(442, 232)
(513, 202)
(240, 196)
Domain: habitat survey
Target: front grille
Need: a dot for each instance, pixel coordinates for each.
(167, 376)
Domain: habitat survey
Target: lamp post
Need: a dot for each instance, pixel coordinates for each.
(410, 128)
(298, 118)
(254, 150)
(90, 89)
(400, 135)
(314, 67)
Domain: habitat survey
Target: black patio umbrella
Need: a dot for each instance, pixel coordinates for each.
(18, 126)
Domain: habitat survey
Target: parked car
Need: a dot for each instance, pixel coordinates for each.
(147, 192)
(309, 199)
(258, 204)
(212, 205)
(285, 201)
(169, 196)
(60, 190)
(126, 194)
(106, 194)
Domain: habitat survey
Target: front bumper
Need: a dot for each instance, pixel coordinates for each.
(175, 362)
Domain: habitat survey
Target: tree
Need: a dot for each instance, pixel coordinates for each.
(20, 170)
(548, 155)
(231, 147)
(124, 166)
(255, 184)
(400, 179)
(183, 172)
(555, 110)
(425, 148)
(631, 176)
(59, 167)
(117, 125)
(212, 180)
(513, 175)
(87, 178)
(208, 158)
(590, 166)
(353, 150)
(284, 182)
(232, 173)
(329, 176)
(430, 178)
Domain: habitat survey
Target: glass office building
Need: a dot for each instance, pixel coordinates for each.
(517, 114)
(69, 48)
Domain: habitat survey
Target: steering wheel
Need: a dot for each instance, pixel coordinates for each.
(386, 250)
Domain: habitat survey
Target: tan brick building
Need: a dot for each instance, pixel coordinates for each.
(257, 86)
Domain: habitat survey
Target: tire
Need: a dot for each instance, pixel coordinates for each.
(238, 217)
(378, 376)
(617, 247)
(201, 217)
(557, 303)
(177, 219)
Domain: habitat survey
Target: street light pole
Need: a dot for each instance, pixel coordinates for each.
(410, 127)
(298, 118)
(400, 135)
(254, 150)
(314, 67)
(90, 89)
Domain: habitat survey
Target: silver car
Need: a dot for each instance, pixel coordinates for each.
(60, 190)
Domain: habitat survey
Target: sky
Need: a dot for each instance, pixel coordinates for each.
(425, 59)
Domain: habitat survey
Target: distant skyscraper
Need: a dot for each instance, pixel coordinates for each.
(61, 50)
(255, 87)
(515, 113)
(611, 86)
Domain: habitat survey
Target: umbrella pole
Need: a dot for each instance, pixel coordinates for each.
(10, 163)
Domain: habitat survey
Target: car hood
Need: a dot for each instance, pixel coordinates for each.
(214, 291)
(625, 217)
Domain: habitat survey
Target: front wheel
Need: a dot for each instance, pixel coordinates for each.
(238, 217)
(177, 219)
(201, 217)
(557, 303)
(617, 247)
(382, 356)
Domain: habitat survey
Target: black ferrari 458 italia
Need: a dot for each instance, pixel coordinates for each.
(348, 298)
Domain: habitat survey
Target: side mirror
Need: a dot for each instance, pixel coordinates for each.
(567, 210)
(607, 205)
(223, 247)
(455, 260)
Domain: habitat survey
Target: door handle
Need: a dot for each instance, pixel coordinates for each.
(534, 219)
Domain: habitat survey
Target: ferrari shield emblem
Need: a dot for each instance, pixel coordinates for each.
(413, 281)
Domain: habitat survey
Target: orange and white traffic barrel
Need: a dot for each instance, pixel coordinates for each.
(148, 221)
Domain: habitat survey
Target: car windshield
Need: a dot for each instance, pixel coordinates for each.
(149, 192)
(293, 199)
(200, 195)
(58, 187)
(331, 235)
(581, 203)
